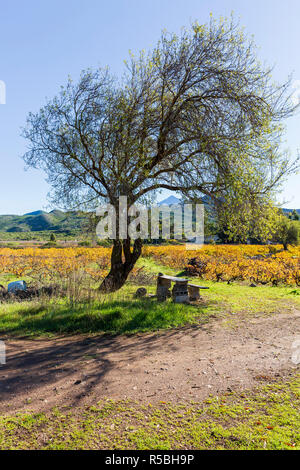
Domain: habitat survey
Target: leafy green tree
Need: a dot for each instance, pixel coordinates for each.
(246, 219)
(287, 231)
(52, 238)
(198, 115)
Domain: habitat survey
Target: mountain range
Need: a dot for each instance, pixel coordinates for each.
(174, 200)
(38, 221)
(61, 222)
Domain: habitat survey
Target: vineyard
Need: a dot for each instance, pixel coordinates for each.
(50, 264)
(256, 263)
(260, 264)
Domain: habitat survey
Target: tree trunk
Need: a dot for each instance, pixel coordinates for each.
(123, 259)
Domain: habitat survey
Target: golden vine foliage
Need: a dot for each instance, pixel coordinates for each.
(257, 263)
(51, 264)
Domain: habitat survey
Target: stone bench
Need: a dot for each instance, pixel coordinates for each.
(194, 291)
(182, 290)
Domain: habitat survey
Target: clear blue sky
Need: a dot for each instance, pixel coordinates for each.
(42, 42)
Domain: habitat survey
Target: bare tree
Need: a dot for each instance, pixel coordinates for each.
(198, 115)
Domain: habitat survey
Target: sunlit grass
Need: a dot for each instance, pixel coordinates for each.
(266, 419)
(116, 314)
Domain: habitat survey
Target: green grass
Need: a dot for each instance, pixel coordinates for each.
(120, 313)
(251, 301)
(266, 419)
(152, 266)
(114, 315)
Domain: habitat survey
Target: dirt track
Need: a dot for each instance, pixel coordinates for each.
(183, 364)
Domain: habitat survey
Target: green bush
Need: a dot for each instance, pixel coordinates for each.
(49, 245)
(288, 232)
(85, 243)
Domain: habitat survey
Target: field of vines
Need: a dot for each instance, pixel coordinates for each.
(263, 264)
(51, 264)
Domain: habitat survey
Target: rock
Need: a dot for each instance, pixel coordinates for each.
(17, 286)
(180, 292)
(141, 292)
(162, 289)
(253, 285)
(162, 293)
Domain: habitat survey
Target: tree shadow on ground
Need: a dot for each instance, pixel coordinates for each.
(33, 365)
(115, 317)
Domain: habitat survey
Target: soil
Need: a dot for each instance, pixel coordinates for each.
(175, 365)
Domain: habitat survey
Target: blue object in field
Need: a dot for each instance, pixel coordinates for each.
(17, 285)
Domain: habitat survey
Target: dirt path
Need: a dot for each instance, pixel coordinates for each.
(183, 364)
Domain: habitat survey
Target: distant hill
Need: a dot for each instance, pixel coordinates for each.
(287, 211)
(57, 221)
(169, 201)
(36, 213)
(175, 200)
(38, 221)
